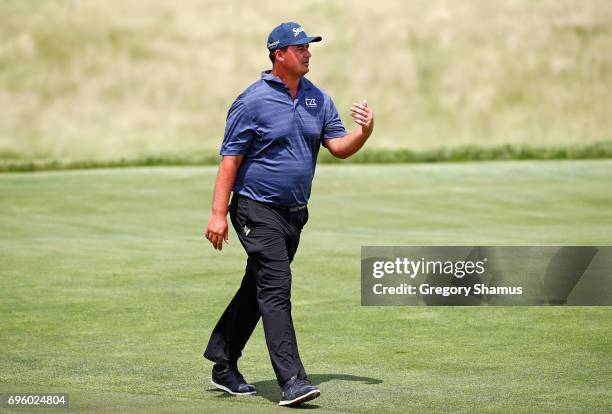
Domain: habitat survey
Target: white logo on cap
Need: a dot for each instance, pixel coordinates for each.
(297, 31)
(275, 43)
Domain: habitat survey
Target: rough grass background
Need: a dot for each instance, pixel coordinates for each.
(94, 80)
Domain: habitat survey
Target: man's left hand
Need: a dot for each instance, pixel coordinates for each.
(363, 115)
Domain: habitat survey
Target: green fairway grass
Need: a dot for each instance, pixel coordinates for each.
(110, 291)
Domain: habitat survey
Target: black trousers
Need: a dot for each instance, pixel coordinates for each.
(270, 235)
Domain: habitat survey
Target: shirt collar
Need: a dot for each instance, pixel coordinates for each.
(267, 76)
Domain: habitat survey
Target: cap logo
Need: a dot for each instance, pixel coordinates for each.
(273, 44)
(297, 31)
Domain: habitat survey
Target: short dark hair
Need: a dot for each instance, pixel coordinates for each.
(271, 54)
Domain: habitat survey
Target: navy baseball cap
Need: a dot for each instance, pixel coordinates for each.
(290, 33)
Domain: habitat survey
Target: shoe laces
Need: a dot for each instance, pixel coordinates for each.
(298, 382)
(234, 368)
(238, 373)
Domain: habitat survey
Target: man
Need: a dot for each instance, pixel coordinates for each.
(272, 137)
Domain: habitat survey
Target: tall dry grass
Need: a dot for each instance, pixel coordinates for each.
(94, 79)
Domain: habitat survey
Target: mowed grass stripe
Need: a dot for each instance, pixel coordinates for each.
(110, 291)
(482, 152)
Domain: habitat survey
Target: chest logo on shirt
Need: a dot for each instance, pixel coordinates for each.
(311, 102)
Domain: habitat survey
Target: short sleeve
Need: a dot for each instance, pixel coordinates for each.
(238, 130)
(332, 127)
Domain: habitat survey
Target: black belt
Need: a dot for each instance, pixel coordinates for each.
(291, 209)
(295, 209)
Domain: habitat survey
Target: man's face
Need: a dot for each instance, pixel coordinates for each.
(296, 59)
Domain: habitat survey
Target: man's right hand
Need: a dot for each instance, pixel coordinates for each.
(217, 230)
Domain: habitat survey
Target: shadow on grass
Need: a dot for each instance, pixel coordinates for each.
(271, 391)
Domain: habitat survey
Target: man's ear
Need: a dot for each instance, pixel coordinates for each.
(278, 55)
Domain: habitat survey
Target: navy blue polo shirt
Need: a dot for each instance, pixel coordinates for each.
(280, 139)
